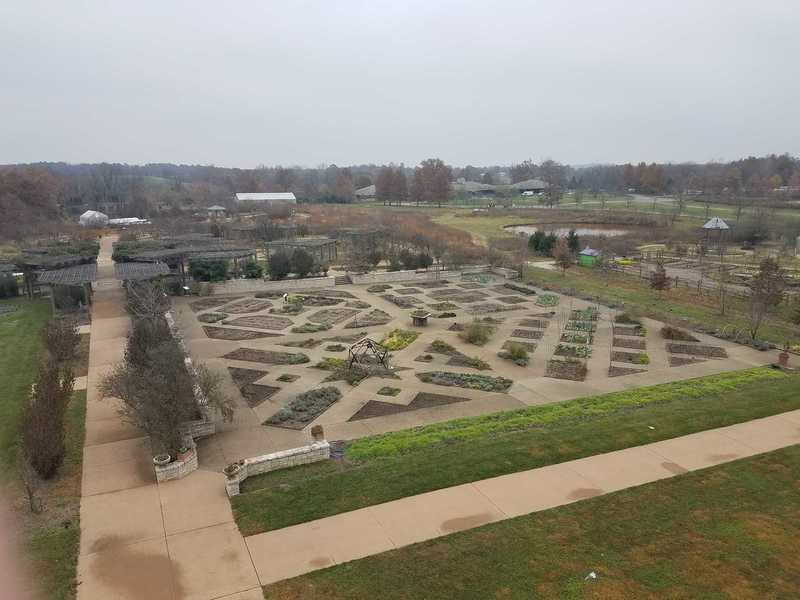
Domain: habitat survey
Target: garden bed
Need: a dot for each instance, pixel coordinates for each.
(585, 326)
(329, 293)
(242, 376)
(470, 286)
(310, 328)
(377, 408)
(511, 299)
(444, 306)
(371, 319)
(634, 331)
(255, 394)
(547, 300)
(320, 300)
(456, 295)
(517, 288)
(248, 305)
(360, 304)
(331, 316)
(397, 339)
(458, 359)
(262, 322)
(571, 370)
(529, 346)
(697, 350)
(466, 380)
(442, 283)
(401, 301)
(486, 308)
(306, 343)
(212, 302)
(361, 371)
(573, 351)
(673, 333)
(535, 323)
(615, 371)
(288, 308)
(633, 358)
(236, 335)
(528, 334)
(212, 317)
(632, 342)
(576, 337)
(679, 361)
(305, 408)
(267, 357)
(587, 314)
(408, 291)
(379, 288)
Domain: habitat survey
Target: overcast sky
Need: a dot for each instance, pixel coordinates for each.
(304, 83)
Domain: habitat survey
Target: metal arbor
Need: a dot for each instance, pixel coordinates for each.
(367, 347)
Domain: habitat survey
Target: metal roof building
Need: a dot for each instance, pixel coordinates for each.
(268, 197)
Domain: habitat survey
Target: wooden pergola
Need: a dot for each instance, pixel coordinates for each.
(139, 271)
(82, 276)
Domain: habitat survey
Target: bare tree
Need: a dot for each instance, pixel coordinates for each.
(766, 292)
(659, 279)
(147, 300)
(562, 255)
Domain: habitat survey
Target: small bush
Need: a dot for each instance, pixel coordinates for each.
(252, 270)
(331, 363)
(517, 354)
(278, 266)
(627, 319)
(399, 339)
(477, 333)
(335, 348)
(311, 328)
(643, 359)
(389, 391)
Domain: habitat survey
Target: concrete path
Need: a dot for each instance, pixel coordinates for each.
(140, 539)
(292, 551)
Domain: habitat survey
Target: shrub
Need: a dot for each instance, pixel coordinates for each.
(278, 266)
(442, 347)
(516, 353)
(252, 270)
(466, 380)
(310, 328)
(547, 300)
(669, 332)
(643, 359)
(208, 270)
(627, 319)
(398, 339)
(330, 363)
(302, 262)
(60, 337)
(389, 391)
(477, 333)
(335, 348)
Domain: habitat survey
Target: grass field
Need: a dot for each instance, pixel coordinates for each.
(395, 465)
(51, 537)
(676, 306)
(728, 532)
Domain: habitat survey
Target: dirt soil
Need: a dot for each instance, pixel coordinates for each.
(262, 322)
(248, 305)
(211, 302)
(697, 350)
(236, 335)
(634, 343)
(530, 334)
(561, 369)
(377, 408)
(615, 371)
(267, 357)
(330, 316)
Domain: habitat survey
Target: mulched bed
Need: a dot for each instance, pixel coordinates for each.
(331, 316)
(236, 335)
(262, 322)
(442, 283)
(321, 300)
(425, 358)
(242, 376)
(626, 330)
(614, 371)
(329, 293)
(529, 346)
(471, 286)
(211, 302)
(517, 288)
(675, 334)
(635, 343)
(576, 337)
(511, 299)
(248, 305)
(471, 381)
(528, 334)
(569, 370)
(407, 291)
(535, 323)
(679, 361)
(697, 350)
(357, 304)
(455, 295)
(490, 307)
(377, 408)
(305, 408)
(573, 351)
(401, 301)
(267, 357)
(626, 357)
(254, 393)
(371, 319)
(288, 377)
(448, 306)
(584, 326)
(379, 288)
(212, 317)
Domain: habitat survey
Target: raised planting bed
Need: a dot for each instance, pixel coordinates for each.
(516, 353)
(267, 357)
(518, 288)
(529, 346)
(442, 283)
(587, 314)
(262, 322)
(401, 301)
(408, 291)
(328, 293)
(615, 371)
(528, 334)
(236, 335)
(547, 300)
(576, 337)
(330, 363)
(470, 286)
(535, 323)
(212, 317)
(244, 376)
(633, 330)
(471, 381)
(254, 393)
(573, 351)
(248, 305)
(634, 358)
(288, 308)
(697, 350)
(372, 318)
(627, 319)
(485, 308)
(361, 371)
(444, 306)
(311, 328)
(585, 326)
(679, 361)
(288, 378)
(212, 302)
(630, 342)
(305, 408)
(389, 391)
(379, 288)
(458, 359)
(357, 304)
(397, 339)
(306, 343)
(511, 299)
(330, 316)
(456, 295)
(335, 348)
(673, 333)
(376, 408)
(572, 370)
(320, 300)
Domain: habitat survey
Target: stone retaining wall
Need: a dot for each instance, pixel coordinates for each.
(249, 286)
(284, 459)
(177, 469)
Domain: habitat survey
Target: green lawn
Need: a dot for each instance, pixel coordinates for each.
(395, 465)
(676, 306)
(728, 532)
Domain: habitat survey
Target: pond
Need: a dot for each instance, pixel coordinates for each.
(561, 229)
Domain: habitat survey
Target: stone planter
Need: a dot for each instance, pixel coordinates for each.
(317, 433)
(232, 470)
(783, 359)
(184, 453)
(161, 460)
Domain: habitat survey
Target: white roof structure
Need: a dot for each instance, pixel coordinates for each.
(128, 221)
(93, 218)
(716, 223)
(266, 197)
(590, 252)
(216, 207)
(366, 192)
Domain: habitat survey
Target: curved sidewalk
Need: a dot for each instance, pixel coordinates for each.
(299, 549)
